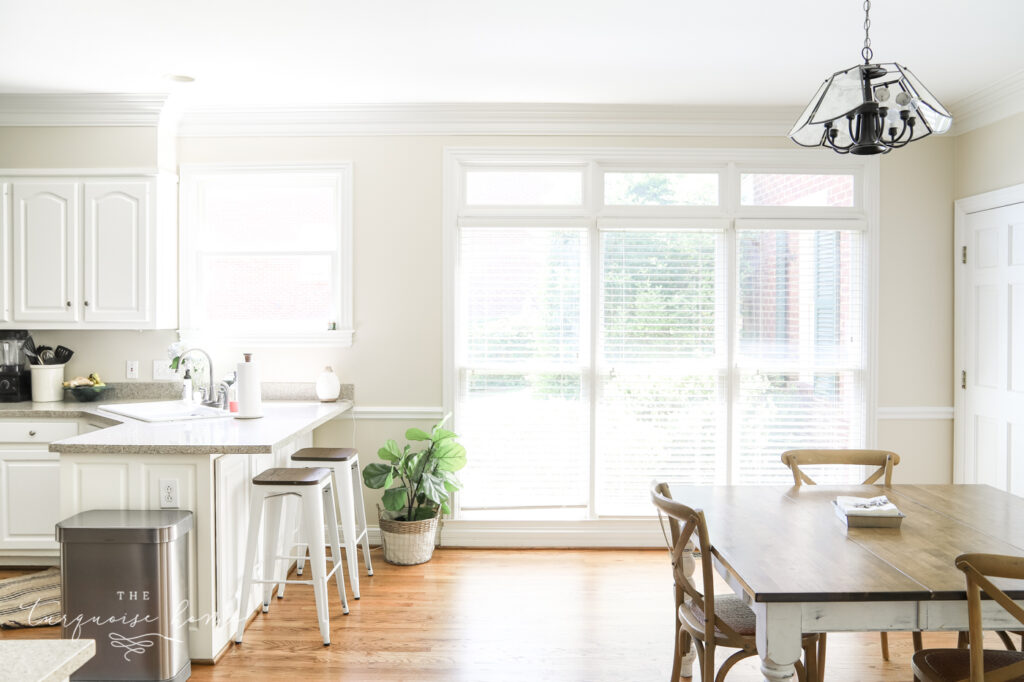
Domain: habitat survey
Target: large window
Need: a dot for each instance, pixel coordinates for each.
(266, 253)
(620, 319)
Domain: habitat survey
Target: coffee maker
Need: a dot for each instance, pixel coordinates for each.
(15, 383)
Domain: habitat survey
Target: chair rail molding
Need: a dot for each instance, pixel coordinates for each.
(398, 413)
(915, 413)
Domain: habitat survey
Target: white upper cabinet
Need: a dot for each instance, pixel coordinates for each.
(116, 249)
(46, 229)
(88, 252)
(5, 247)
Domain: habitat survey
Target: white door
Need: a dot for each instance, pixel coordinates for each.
(990, 290)
(30, 495)
(5, 249)
(116, 244)
(45, 251)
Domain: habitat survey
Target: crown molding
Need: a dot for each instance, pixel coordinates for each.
(99, 109)
(992, 103)
(488, 119)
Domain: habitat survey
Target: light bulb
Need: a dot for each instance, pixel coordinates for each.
(903, 99)
(881, 93)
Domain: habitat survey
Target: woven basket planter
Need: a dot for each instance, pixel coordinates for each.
(407, 543)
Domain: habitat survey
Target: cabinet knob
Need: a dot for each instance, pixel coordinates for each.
(68, 304)
(86, 304)
(31, 433)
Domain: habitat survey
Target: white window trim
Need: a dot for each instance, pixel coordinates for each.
(342, 336)
(865, 215)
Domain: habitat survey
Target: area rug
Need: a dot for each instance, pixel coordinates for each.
(30, 600)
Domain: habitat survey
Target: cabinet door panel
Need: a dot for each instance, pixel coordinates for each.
(116, 241)
(31, 499)
(45, 250)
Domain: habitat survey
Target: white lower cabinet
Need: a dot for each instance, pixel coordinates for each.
(216, 488)
(30, 487)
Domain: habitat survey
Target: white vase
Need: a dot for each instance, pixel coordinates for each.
(328, 386)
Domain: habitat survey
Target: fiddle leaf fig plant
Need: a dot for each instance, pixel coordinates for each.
(417, 483)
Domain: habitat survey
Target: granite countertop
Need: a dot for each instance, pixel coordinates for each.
(43, 660)
(282, 420)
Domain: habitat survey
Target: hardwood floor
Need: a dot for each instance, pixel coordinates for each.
(495, 615)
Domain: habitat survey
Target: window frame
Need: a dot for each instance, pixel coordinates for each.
(729, 163)
(191, 179)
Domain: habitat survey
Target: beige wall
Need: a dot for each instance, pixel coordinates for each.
(990, 158)
(396, 358)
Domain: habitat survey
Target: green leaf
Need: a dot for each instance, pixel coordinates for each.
(414, 466)
(395, 498)
(378, 475)
(451, 484)
(442, 434)
(416, 434)
(390, 452)
(433, 487)
(451, 456)
(445, 508)
(390, 479)
(424, 512)
(174, 363)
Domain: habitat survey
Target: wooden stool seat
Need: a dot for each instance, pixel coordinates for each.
(952, 665)
(289, 476)
(325, 455)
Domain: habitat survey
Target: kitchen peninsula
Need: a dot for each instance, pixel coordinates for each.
(119, 463)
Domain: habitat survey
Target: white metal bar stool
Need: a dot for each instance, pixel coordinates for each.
(344, 464)
(314, 487)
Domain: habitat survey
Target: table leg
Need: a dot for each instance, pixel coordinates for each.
(779, 639)
(688, 656)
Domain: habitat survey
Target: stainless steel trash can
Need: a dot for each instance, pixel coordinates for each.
(124, 583)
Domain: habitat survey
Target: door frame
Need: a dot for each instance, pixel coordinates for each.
(962, 208)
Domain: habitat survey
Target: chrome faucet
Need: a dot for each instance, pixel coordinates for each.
(209, 397)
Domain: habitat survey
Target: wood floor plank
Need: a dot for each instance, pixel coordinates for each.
(497, 615)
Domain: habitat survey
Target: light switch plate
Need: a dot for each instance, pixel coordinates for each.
(131, 369)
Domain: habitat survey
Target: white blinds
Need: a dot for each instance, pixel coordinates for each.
(800, 354)
(523, 410)
(661, 380)
(593, 360)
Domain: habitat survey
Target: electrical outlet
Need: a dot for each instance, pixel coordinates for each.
(168, 493)
(162, 371)
(131, 369)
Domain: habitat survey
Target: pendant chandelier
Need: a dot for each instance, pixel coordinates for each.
(885, 107)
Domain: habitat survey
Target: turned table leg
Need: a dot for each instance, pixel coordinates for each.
(779, 639)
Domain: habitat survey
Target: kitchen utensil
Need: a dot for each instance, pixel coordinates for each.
(33, 359)
(45, 354)
(62, 354)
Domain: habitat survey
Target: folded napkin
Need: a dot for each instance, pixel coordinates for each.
(866, 506)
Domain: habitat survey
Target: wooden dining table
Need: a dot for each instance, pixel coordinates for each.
(802, 570)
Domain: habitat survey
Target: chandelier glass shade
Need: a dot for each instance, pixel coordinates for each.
(870, 108)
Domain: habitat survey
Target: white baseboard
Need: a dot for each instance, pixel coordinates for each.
(633, 533)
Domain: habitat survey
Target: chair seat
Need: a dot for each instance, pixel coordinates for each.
(292, 476)
(325, 454)
(731, 610)
(952, 665)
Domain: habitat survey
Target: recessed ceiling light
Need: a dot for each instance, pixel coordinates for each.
(179, 78)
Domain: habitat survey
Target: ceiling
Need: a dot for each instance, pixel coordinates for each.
(332, 52)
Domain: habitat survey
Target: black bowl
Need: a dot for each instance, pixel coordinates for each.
(87, 394)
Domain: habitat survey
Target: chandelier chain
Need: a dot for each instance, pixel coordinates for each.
(867, 52)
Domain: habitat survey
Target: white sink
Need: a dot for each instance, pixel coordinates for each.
(165, 411)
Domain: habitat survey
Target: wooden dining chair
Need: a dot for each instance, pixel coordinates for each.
(976, 663)
(731, 623)
(884, 460)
